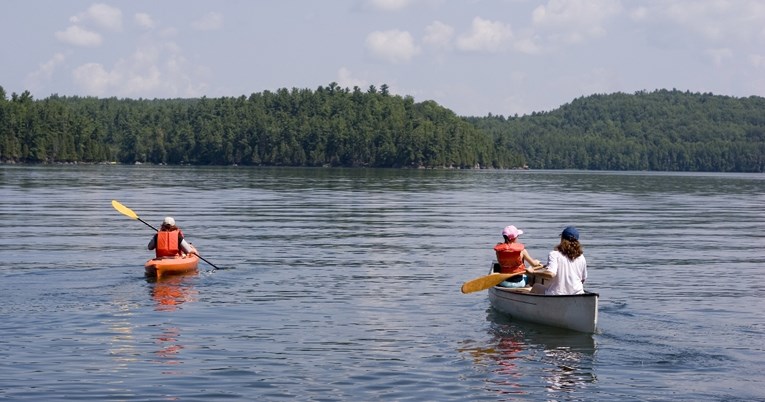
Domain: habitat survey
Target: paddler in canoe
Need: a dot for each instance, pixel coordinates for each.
(510, 269)
(566, 267)
(512, 256)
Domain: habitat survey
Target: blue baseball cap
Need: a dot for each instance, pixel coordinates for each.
(570, 233)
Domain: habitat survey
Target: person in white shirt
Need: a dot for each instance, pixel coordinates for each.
(566, 267)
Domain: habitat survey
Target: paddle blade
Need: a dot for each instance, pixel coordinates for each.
(124, 210)
(485, 282)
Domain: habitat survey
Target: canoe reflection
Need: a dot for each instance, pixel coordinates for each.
(169, 293)
(521, 355)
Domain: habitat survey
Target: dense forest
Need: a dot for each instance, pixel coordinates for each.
(330, 126)
(661, 130)
(334, 126)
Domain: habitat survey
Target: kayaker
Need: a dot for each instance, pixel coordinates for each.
(512, 257)
(566, 267)
(169, 241)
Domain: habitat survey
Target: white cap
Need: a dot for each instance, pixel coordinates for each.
(169, 221)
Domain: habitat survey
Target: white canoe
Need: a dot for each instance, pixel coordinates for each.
(575, 312)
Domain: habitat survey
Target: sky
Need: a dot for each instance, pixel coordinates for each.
(475, 57)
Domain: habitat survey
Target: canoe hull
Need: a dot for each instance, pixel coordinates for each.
(574, 312)
(160, 267)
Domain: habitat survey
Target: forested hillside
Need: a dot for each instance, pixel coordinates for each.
(329, 126)
(661, 130)
(334, 126)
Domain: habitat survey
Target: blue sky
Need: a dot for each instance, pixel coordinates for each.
(474, 56)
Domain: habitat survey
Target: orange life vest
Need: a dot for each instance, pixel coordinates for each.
(509, 257)
(168, 243)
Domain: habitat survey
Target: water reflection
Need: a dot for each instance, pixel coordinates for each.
(122, 342)
(171, 292)
(374, 237)
(570, 366)
(523, 355)
(169, 347)
(499, 356)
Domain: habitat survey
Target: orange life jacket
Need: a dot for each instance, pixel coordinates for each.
(168, 243)
(509, 257)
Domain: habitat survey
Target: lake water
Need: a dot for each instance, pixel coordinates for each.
(343, 285)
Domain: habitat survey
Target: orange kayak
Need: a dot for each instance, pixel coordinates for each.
(159, 267)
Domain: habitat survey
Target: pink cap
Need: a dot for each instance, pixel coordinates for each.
(512, 232)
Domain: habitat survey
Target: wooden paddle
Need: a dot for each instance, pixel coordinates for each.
(132, 215)
(486, 282)
(492, 279)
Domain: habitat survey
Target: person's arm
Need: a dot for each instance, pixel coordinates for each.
(541, 271)
(584, 274)
(153, 242)
(548, 271)
(183, 244)
(527, 257)
(186, 246)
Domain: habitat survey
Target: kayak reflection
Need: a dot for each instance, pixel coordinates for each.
(169, 346)
(169, 293)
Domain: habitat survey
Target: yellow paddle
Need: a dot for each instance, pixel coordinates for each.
(488, 281)
(485, 282)
(129, 213)
(132, 215)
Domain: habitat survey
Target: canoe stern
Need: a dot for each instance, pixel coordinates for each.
(575, 312)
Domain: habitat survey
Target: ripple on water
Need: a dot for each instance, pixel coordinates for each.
(344, 285)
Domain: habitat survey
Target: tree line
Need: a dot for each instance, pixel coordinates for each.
(329, 126)
(334, 126)
(665, 130)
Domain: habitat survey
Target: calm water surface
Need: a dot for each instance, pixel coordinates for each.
(344, 285)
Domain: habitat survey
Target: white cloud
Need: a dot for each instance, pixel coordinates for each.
(346, 79)
(46, 69)
(144, 20)
(527, 45)
(485, 35)
(44, 73)
(717, 20)
(103, 15)
(393, 46)
(147, 81)
(574, 21)
(94, 79)
(152, 70)
(74, 35)
(389, 5)
(438, 35)
(209, 22)
(143, 71)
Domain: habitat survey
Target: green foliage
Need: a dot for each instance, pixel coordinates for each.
(335, 126)
(331, 126)
(662, 130)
